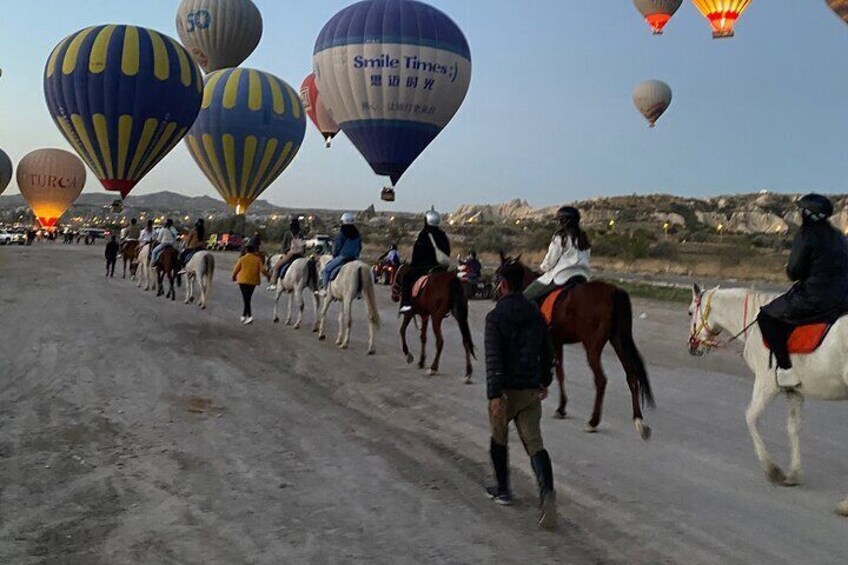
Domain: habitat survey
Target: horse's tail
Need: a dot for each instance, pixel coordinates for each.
(622, 337)
(459, 309)
(366, 284)
(208, 272)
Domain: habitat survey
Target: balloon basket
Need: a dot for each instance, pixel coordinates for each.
(387, 195)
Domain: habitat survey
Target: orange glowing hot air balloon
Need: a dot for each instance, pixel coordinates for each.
(657, 12)
(722, 14)
(50, 180)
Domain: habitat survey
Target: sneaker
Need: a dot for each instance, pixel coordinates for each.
(321, 293)
(181, 273)
(248, 321)
(405, 309)
(271, 287)
(787, 379)
(502, 498)
(243, 318)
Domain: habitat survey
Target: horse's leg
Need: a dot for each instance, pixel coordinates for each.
(633, 383)
(291, 301)
(189, 290)
(160, 278)
(407, 318)
(125, 268)
(425, 321)
(765, 389)
(560, 375)
(593, 355)
(796, 402)
(341, 323)
(297, 294)
(323, 318)
(315, 309)
(347, 308)
(172, 292)
(440, 344)
(277, 295)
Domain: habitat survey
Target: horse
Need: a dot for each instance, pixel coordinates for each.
(823, 373)
(300, 276)
(200, 268)
(354, 280)
(440, 295)
(147, 275)
(593, 314)
(169, 264)
(130, 255)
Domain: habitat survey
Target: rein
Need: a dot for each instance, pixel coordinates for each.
(712, 342)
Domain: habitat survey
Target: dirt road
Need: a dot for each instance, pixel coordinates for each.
(139, 431)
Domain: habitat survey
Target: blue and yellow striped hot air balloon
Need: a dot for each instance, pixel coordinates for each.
(123, 96)
(251, 126)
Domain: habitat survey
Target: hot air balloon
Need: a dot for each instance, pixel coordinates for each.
(250, 128)
(722, 14)
(50, 180)
(123, 96)
(220, 34)
(392, 73)
(652, 99)
(5, 171)
(840, 8)
(657, 12)
(316, 110)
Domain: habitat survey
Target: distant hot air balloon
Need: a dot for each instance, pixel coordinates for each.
(840, 8)
(5, 171)
(220, 34)
(722, 14)
(250, 127)
(657, 12)
(652, 99)
(50, 180)
(392, 73)
(123, 96)
(316, 110)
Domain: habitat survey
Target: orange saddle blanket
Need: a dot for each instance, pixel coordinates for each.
(550, 303)
(420, 285)
(807, 339)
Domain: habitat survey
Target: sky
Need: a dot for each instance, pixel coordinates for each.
(549, 116)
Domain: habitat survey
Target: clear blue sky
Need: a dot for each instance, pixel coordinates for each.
(549, 116)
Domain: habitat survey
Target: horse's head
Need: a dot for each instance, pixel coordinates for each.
(703, 333)
(529, 275)
(397, 281)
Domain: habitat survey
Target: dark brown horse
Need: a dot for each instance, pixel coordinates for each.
(130, 255)
(594, 314)
(169, 264)
(442, 295)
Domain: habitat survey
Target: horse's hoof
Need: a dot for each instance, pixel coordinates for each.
(344, 346)
(842, 508)
(322, 338)
(468, 380)
(410, 359)
(276, 320)
(644, 431)
(191, 300)
(203, 307)
(296, 327)
(792, 480)
(775, 475)
(559, 415)
(372, 352)
(590, 429)
(315, 330)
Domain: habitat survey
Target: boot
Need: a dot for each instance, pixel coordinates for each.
(500, 461)
(541, 462)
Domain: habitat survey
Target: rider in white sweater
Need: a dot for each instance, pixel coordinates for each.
(567, 261)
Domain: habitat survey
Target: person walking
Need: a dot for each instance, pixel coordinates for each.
(247, 273)
(112, 249)
(519, 366)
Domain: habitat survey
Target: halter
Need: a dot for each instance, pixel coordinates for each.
(703, 314)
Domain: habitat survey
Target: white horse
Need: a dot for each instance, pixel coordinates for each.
(354, 280)
(297, 279)
(146, 273)
(200, 269)
(823, 373)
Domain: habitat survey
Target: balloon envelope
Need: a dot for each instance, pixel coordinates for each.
(652, 99)
(50, 180)
(657, 12)
(840, 8)
(392, 74)
(250, 128)
(219, 34)
(315, 109)
(123, 96)
(722, 14)
(5, 171)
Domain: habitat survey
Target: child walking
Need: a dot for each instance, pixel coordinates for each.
(112, 249)
(247, 273)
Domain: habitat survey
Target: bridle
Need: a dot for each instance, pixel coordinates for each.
(701, 323)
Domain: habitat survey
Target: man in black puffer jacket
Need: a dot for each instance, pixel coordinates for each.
(519, 365)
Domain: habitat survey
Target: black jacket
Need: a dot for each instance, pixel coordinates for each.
(112, 249)
(818, 264)
(423, 254)
(519, 351)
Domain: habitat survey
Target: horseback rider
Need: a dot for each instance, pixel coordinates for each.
(391, 257)
(131, 233)
(167, 237)
(194, 242)
(293, 248)
(474, 268)
(567, 261)
(346, 248)
(818, 265)
(147, 237)
(430, 251)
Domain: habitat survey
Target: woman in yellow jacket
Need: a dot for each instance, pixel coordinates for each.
(247, 273)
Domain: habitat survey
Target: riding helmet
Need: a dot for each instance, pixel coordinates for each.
(348, 219)
(433, 218)
(816, 207)
(568, 214)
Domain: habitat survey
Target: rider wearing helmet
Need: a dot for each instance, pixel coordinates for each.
(567, 261)
(818, 265)
(431, 250)
(346, 248)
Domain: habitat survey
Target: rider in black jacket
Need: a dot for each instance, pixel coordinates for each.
(425, 256)
(519, 365)
(818, 265)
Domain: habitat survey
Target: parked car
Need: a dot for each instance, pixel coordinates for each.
(18, 236)
(6, 238)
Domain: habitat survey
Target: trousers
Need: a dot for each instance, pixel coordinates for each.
(247, 297)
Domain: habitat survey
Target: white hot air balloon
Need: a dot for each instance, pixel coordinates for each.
(219, 34)
(652, 99)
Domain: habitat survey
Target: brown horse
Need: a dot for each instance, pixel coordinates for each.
(130, 255)
(169, 264)
(594, 314)
(442, 295)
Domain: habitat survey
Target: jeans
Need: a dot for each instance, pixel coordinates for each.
(157, 251)
(110, 266)
(247, 295)
(331, 266)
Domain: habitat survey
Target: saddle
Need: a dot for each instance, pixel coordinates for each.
(554, 299)
(806, 339)
(335, 272)
(422, 282)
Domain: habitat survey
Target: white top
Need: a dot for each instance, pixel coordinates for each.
(563, 262)
(167, 235)
(147, 235)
